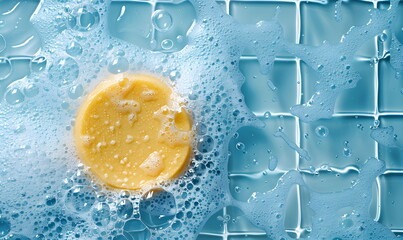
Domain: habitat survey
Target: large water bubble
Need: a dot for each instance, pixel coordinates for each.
(162, 20)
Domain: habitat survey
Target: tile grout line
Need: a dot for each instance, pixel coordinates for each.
(299, 100)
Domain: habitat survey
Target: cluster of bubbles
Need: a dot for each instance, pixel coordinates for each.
(63, 200)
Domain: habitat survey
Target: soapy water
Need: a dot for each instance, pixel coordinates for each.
(47, 194)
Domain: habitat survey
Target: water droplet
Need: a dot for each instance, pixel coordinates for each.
(180, 39)
(50, 201)
(38, 64)
(2, 43)
(205, 144)
(157, 209)
(240, 146)
(80, 199)
(101, 214)
(162, 20)
(5, 227)
(74, 49)
(174, 75)
(322, 131)
(14, 96)
(401, 91)
(267, 115)
(383, 37)
(118, 65)
(347, 152)
(64, 70)
(167, 44)
(273, 161)
(76, 91)
(125, 209)
(320, 67)
(83, 18)
(5, 68)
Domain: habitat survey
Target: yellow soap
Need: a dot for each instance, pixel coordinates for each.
(133, 131)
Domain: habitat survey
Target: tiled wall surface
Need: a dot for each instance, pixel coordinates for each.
(378, 96)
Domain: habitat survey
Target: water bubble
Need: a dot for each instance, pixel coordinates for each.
(64, 70)
(2, 43)
(157, 209)
(383, 37)
(347, 152)
(322, 131)
(125, 209)
(240, 146)
(50, 200)
(167, 44)
(267, 115)
(76, 91)
(38, 64)
(180, 39)
(273, 161)
(74, 49)
(5, 68)
(174, 75)
(118, 65)
(319, 67)
(14, 96)
(101, 214)
(205, 144)
(31, 90)
(80, 198)
(5, 227)
(83, 18)
(136, 229)
(162, 20)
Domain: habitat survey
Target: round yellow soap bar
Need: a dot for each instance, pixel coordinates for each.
(132, 131)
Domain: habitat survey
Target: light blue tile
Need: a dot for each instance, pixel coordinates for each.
(359, 99)
(239, 223)
(18, 28)
(251, 12)
(390, 88)
(392, 156)
(252, 149)
(259, 97)
(242, 186)
(332, 149)
(326, 181)
(122, 26)
(318, 23)
(214, 224)
(141, 33)
(392, 200)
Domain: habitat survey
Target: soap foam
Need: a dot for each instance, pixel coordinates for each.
(40, 162)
